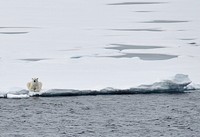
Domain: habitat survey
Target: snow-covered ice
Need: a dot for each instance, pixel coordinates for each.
(86, 45)
(177, 84)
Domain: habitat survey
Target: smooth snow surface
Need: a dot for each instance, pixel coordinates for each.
(94, 44)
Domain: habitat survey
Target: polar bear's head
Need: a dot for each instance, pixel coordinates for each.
(35, 80)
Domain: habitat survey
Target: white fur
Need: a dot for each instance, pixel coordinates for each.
(34, 85)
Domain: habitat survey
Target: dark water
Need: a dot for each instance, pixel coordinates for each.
(14, 32)
(148, 29)
(146, 56)
(34, 59)
(139, 115)
(142, 56)
(136, 3)
(166, 21)
(121, 47)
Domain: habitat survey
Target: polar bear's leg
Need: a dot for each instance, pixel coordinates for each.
(38, 87)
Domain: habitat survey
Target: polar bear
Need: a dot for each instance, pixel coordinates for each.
(34, 85)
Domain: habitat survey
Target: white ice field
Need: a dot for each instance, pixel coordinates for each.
(94, 44)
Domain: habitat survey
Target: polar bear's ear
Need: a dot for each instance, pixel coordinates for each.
(37, 78)
(32, 78)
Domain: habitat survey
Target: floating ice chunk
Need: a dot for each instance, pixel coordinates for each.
(193, 86)
(181, 79)
(2, 95)
(36, 93)
(17, 96)
(177, 84)
(17, 93)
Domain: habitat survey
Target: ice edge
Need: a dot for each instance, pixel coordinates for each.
(178, 84)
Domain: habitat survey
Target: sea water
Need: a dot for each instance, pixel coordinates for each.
(102, 115)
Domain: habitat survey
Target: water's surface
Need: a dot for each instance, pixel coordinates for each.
(121, 47)
(148, 29)
(136, 3)
(142, 56)
(107, 116)
(34, 59)
(166, 21)
(12, 27)
(146, 56)
(14, 32)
